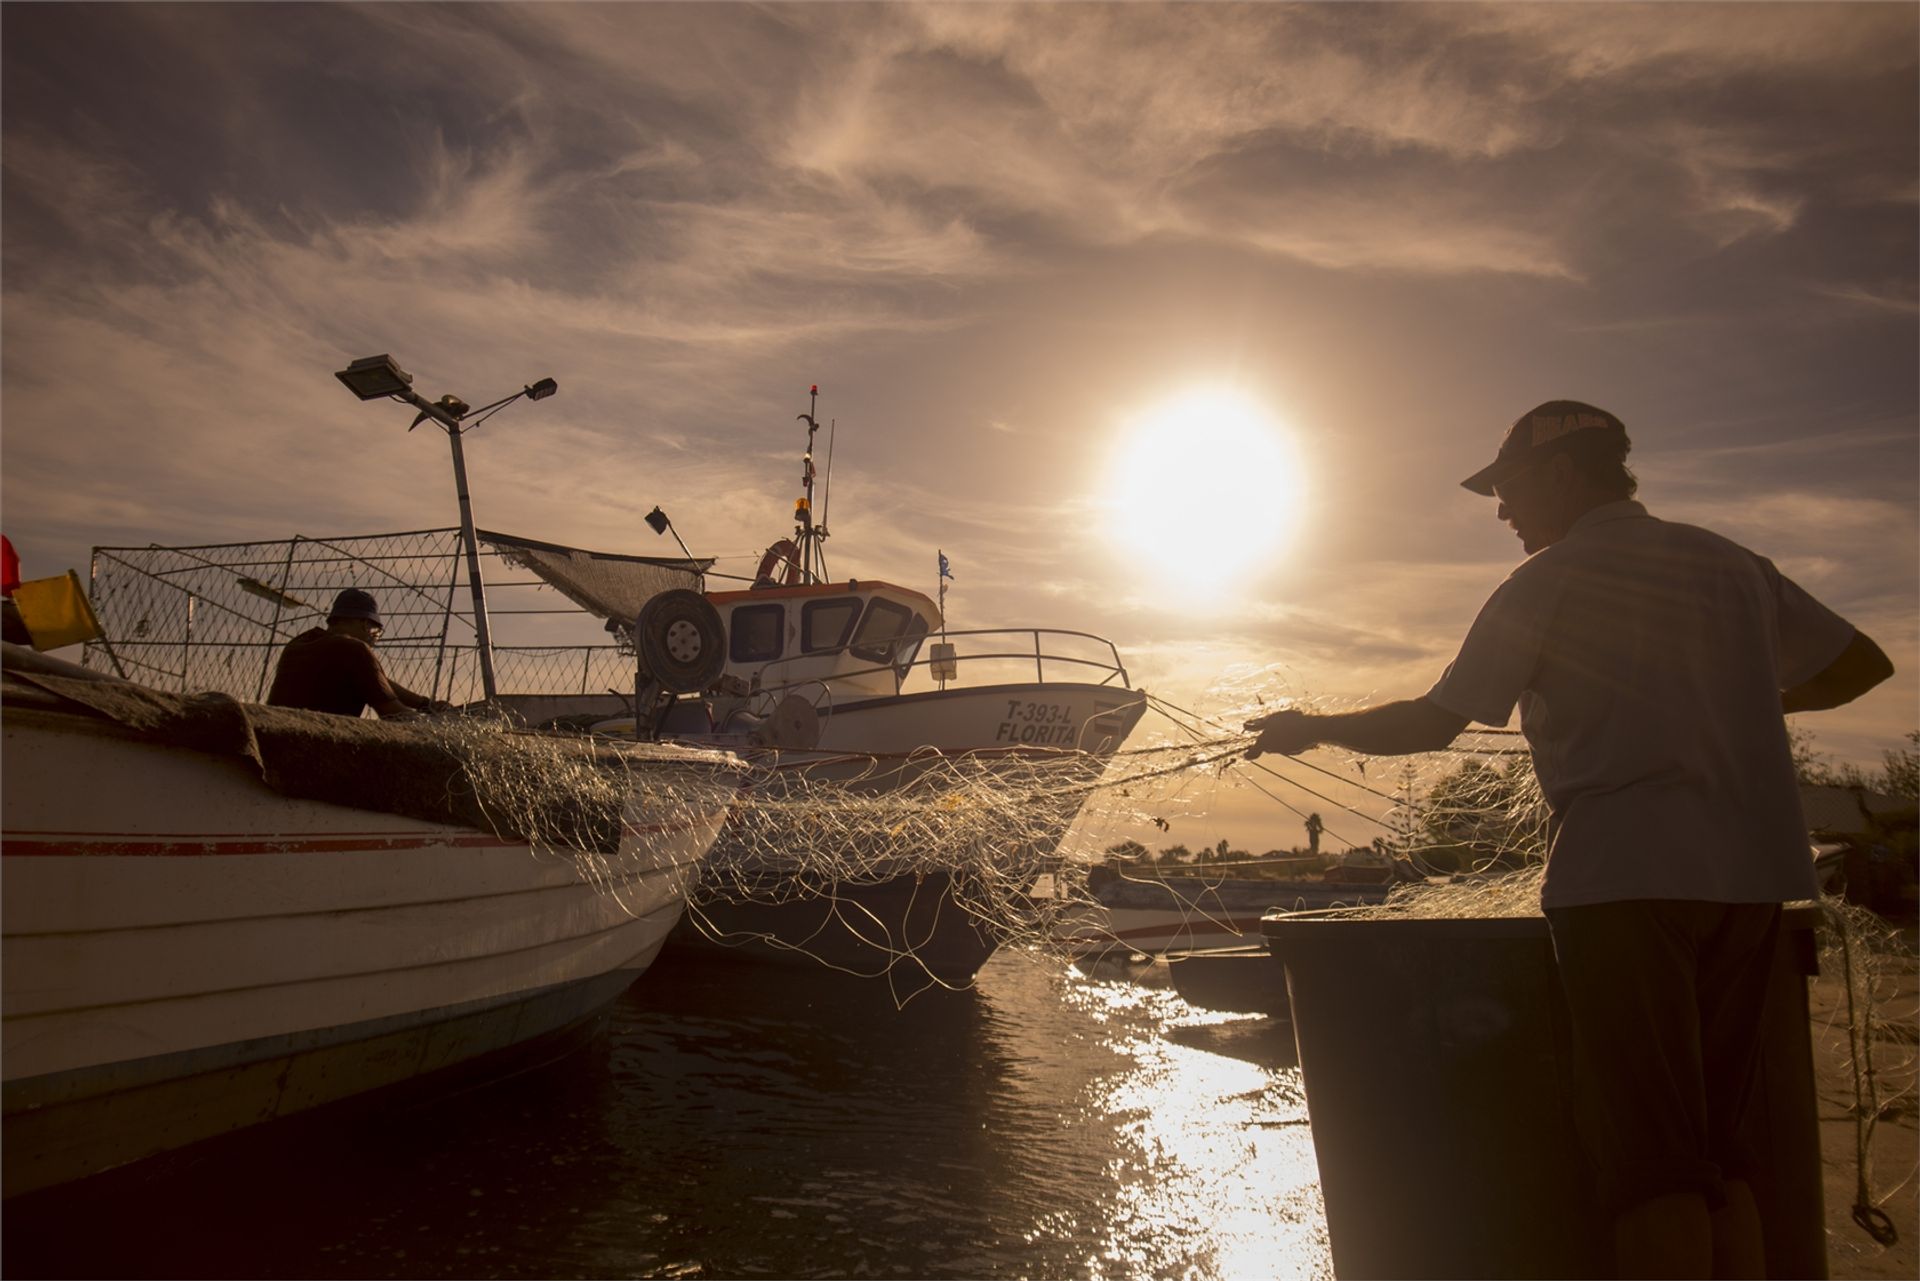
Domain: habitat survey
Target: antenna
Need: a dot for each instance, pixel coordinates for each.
(826, 492)
(803, 527)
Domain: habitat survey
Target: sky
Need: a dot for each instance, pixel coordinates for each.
(1005, 241)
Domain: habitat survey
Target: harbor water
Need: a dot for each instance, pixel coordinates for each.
(738, 1119)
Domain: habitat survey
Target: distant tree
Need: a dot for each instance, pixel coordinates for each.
(1481, 815)
(1403, 820)
(1902, 772)
(1809, 762)
(1900, 766)
(1130, 852)
(1221, 851)
(1176, 854)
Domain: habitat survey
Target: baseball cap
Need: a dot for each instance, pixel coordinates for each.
(1539, 427)
(354, 603)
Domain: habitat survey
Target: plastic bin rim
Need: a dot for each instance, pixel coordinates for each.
(1279, 927)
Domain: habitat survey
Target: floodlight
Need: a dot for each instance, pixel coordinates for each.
(372, 377)
(542, 389)
(657, 519)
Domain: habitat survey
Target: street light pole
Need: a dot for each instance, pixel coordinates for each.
(482, 634)
(376, 377)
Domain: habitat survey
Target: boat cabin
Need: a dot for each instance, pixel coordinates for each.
(861, 637)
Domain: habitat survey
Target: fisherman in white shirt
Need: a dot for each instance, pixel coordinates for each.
(1652, 664)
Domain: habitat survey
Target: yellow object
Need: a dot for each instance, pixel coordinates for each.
(56, 611)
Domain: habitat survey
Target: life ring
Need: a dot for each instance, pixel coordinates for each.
(680, 641)
(781, 552)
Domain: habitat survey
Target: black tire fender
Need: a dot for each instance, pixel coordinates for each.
(680, 641)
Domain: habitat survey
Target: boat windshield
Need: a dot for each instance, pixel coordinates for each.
(889, 633)
(825, 624)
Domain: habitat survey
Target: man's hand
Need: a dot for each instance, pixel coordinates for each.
(435, 707)
(1289, 733)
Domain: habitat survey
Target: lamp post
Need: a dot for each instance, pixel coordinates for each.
(658, 522)
(375, 377)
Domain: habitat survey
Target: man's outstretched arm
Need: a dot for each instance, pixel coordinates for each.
(1861, 666)
(416, 702)
(1391, 729)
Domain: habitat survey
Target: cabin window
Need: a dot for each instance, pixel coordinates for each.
(758, 633)
(886, 625)
(909, 645)
(826, 624)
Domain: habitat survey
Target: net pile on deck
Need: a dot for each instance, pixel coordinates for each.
(571, 795)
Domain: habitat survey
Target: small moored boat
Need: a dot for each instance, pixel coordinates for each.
(1159, 914)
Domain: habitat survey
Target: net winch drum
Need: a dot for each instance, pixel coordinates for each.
(680, 642)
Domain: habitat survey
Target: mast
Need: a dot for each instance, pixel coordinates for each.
(805, 531)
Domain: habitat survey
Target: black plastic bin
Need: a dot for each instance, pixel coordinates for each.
(1439, 1083)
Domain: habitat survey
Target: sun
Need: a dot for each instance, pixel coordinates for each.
(1205, 489)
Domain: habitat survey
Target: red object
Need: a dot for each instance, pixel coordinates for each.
(9, 566)
(781, 553)
(814, 390)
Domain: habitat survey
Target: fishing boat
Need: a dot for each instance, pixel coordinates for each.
(216, 914)
(1235, 980)
(826, 682)
(823, 676)
(1150, 913)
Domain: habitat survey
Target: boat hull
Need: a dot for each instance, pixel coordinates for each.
(1235, 980)
(185, 951)
(908, 929)
(1181, 915)
(914, 927)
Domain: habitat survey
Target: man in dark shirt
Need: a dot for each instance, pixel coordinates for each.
(334, 669)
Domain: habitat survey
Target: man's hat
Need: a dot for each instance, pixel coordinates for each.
(1539, 427)
(354, 603)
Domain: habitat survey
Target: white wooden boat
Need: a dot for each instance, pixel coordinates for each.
(186, 951)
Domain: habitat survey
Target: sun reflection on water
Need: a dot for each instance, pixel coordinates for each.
(1216, 1178)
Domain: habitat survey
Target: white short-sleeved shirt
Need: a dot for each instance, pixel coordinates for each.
(1647, 659)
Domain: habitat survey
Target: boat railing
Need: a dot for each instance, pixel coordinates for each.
(981, 656)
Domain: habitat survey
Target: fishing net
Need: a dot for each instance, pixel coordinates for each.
(978, 834)
(622, 812)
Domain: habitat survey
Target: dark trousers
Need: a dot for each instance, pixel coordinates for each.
(1666, 999)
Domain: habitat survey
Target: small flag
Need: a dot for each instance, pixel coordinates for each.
(946, 570)
(56, 611)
